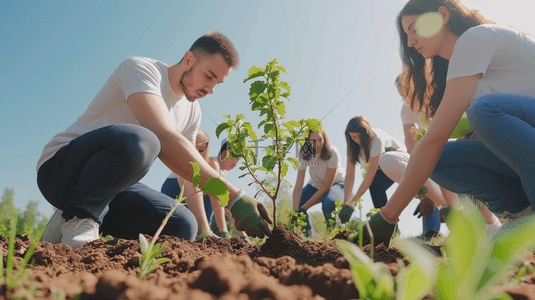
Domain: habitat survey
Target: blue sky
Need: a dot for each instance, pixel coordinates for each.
(55, 57)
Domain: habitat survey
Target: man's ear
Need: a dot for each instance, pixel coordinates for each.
(189, 60)
(445, 14)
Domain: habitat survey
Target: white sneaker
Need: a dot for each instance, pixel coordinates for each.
(78, 232)
(52, 231)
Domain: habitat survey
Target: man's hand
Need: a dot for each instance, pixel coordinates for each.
(251, 216)
(345, 213)
(381, 228)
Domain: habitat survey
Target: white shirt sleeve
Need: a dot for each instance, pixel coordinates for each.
(137, 75)
(474, 51)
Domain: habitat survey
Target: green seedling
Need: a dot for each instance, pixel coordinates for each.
(298, 224)
(373, 280)
(149, 251)
(472, 262)
(266, 95)
(20, 276)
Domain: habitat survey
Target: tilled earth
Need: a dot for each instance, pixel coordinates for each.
(284, 267)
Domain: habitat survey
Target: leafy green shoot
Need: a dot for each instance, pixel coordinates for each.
(20, 276)
(149, 252)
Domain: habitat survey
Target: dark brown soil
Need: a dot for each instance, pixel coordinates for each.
(283, 267)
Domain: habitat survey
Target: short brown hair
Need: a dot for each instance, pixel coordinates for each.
(215, 42)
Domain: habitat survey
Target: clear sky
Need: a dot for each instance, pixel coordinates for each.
(55, 56)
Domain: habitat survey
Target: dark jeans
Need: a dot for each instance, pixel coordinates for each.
(378, 188)
(96, 176)
(327, 203)
(171, 188)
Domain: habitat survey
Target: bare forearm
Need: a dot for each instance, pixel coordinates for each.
(298, 190)
(421, 163)
(315, 198)
(348, 188)
(177, 153)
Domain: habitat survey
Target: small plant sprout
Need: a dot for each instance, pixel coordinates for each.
(471, 262)
(373, 280)
(266, 96)
(418, 278)
(149, 252)
(21, 276)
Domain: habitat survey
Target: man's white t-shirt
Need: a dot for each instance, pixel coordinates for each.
(109, 107)
(318, 168)
(383, 140)
(505, 57)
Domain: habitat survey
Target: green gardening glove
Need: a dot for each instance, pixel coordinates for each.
(381, 228)
(345, 213)
(224, 235)
(250, 215)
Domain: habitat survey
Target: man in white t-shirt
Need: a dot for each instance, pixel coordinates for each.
(147, 109)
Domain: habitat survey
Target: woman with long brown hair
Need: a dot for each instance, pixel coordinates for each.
(488, 72)
(326, 177)
(386, 158)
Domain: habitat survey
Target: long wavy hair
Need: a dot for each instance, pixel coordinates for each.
(434, 84)
(307, 150)
(360, 125)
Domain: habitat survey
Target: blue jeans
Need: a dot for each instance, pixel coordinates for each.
(171, 188)
(378, 188)
(499, 168)
(327, 202)
(431, 222)
(96, 176)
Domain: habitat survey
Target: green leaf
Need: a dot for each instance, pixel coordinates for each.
(281, 108)
(254, 72)
(217, 187)
(196, 174)
(416, 280)
(373, 281)
(163, 260)
(508, 245)
(256, 90)
(267, 128)
(284, 169)
(294, 162)
(290, 125)
(313, 124)
(285, 86)
(268, 162)
(464, 269)
(220, 128)
(264, 170)
(283, 69)
(143, 244)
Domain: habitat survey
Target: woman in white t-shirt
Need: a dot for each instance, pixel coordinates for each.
(386, 158)
(326, 177)
(471, 59)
